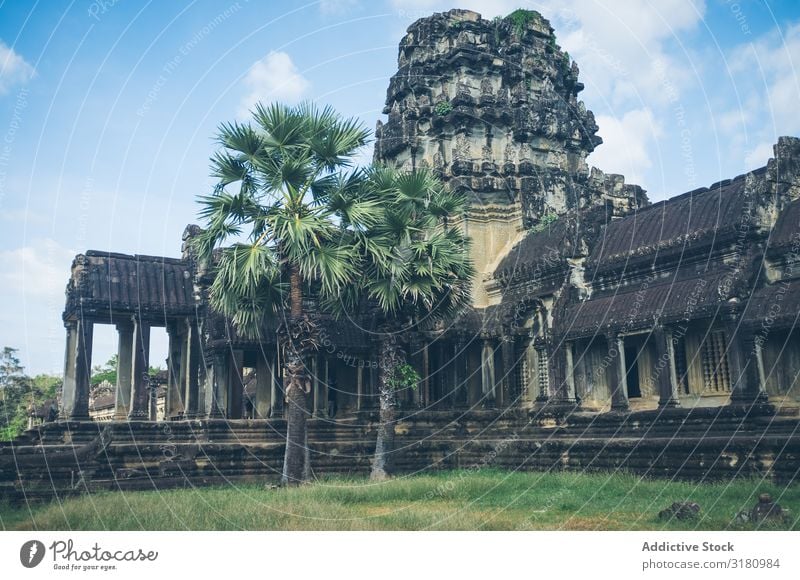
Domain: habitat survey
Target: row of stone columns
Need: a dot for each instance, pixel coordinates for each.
(132, 394)
(743, 354)
(132, 397)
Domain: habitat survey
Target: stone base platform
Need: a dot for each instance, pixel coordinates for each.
(722, 443)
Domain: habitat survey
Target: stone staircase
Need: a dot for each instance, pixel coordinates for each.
(703, 443)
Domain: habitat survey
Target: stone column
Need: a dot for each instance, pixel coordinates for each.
(562, 380)
(263, 386)
(141, 367)
(122, 396)
(617, 372)
(191, 369)
(667, 373)
(488, 386)
(77, 371)
(508, 389)
(70, 354)
(236, 385)
(570, 393)
(359, 387)
(278, 393)
(453, 374)
(174, 402)
(217, 377)
(459, 374)
(426, 376)
(320, 370)
(744, 358)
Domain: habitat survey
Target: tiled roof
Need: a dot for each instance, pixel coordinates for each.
(697, 219)
(639, 305)
(103, 282)
(774, 306)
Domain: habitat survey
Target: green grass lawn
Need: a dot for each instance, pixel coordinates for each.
(465, 500)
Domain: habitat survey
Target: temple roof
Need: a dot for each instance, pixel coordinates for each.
(107, 283)
(691, 221)
(775, 306)
(669, 300)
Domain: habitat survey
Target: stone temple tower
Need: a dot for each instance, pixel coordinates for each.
(492, 107)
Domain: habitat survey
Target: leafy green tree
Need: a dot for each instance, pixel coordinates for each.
(14, 385)
(106, 372)
(416, 272)
(294, 193)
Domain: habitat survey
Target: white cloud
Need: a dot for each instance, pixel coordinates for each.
(768, 69)
(624, 48)
(14, 70)
(39, 269)
(766, 76)
(273, 78)
(758, 156)
(32, 281)
(626, 143)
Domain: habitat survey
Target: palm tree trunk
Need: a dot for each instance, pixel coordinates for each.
(383, 460)
(296, 293)
(295, 460)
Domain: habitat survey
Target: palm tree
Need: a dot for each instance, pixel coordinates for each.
(417, 271)
(293, 169)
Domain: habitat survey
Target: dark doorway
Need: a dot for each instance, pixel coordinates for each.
(632, 372)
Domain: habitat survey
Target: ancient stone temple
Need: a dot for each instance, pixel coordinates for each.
(606, 332)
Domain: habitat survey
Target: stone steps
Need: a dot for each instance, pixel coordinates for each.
(66, 458)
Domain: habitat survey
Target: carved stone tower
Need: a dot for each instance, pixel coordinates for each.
(491, 106)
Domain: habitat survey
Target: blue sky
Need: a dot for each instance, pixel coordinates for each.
(108, 110)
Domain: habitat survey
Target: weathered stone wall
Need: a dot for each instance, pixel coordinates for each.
(59, 459)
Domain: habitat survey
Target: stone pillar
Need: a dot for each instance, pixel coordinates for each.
(152, 409)
(122, 395)
(459, 374)
(278, 394)
(359, 387)
(141, 367)
(191, 369)
(77, 371)
(174, 402)
(263, 386)
(744, 354)
(70, 354)
(508, 390)
(570, 393)
(372, 375)
(202, 381)
(561, 371)
(667, 373)
(236, 385)
(217, 377)
(488, 387)
(426, 376)
(453, 374)
(320, 370)
(617, 372)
